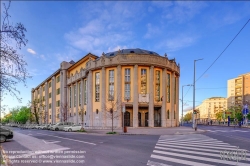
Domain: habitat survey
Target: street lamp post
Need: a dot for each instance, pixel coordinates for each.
(182, 103)
(194, 121)
(224, 114)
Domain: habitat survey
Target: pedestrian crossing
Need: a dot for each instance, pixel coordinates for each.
(228, 131)
(196, 150)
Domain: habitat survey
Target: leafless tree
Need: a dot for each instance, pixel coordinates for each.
(13, 66)
(37, 106)
(112, 108)
(81, 113)
(64, 111)
(57, 115)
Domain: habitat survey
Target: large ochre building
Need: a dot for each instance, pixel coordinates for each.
(95, 88)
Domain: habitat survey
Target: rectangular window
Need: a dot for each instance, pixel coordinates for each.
(127, 84)
(80, 93)
(58, 103)
(49, 84)
(157, 85)
(111, 85)
(168, 87)
(50, 95)
(58, 79)
(85, 92)
(143, 81)
(43, 98)
(43, 88)
(74, 95)
(58, 91)
(175, 90)
(70, 101)
(49, 105)
(97, 87)
(49, 116)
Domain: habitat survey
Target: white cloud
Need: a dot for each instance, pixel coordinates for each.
(31, 51)
(179, 11)
(106, 26)
(116, 48)
(152, 31)
(178, 42)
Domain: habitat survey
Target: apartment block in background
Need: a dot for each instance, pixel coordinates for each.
(238, 91)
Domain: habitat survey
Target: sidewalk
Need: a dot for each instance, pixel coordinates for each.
(150, 131)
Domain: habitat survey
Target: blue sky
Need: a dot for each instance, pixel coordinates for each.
(186, 31)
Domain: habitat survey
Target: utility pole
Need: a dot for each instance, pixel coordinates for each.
(182, 103)
(194, 121)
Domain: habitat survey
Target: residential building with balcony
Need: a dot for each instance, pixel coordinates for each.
(94, 88)
(209, 107)
(238, 91)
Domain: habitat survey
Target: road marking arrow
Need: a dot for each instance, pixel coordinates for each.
(50, 141)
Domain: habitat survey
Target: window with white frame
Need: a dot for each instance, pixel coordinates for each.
(143, 81)
(74, 95)
(85, 92)
(97, 87)
(58, 103)
(157, 85)
(168, 87)
(80, 93)
(70, 99)
(174, 90)
(111, 85)
(127, 84)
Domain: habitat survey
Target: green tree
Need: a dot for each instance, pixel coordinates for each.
(188, 117)
(219, 116)
(23, 115)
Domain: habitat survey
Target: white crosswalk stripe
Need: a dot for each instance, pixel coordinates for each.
(195, 150)
(227, 131)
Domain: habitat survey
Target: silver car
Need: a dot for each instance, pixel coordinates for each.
(61, 125)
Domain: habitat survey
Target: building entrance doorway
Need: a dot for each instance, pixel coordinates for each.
(126, 118)
(146, 119)
(139, 119)
(157, 118)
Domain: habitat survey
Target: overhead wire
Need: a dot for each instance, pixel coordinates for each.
(220, 54)
(224, 49)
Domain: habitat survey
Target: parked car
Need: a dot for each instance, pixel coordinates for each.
(75, 127)
(32, 126)
(5, 133)
(50, 126)
(61, 125)
(37, 126)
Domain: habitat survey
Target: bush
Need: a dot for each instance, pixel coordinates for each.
(111, 132)
(82, 130)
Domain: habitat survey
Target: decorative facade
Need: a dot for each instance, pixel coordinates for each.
(94, 88)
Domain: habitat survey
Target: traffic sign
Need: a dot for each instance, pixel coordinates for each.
(123, 108)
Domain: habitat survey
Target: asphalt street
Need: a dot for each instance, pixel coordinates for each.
(43, 147)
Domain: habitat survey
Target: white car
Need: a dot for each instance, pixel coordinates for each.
(73, 128)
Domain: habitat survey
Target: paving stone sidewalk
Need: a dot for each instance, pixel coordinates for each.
(150, 131)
